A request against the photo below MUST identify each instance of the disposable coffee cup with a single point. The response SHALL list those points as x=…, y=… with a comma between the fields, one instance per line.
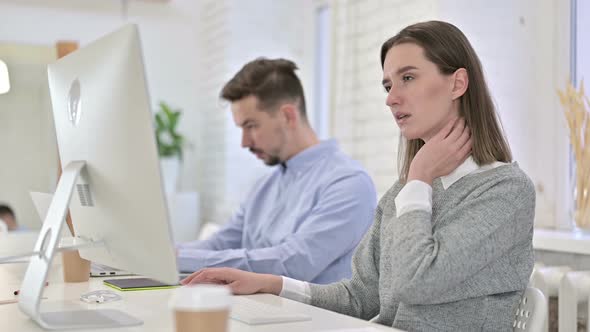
x=201, y=308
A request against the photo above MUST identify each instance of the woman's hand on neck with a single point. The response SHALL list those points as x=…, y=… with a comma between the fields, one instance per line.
x=442, y=153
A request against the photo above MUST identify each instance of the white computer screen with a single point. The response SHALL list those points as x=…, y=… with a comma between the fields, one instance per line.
x=102, y=115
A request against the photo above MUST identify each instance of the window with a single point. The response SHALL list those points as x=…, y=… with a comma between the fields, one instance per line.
x=579, y=72
x=323, y=44
x=580, y=65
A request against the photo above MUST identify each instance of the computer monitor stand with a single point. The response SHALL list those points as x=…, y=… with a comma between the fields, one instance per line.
x=39, y=265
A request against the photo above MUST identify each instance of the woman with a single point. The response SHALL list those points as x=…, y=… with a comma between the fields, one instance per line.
x=451, y=245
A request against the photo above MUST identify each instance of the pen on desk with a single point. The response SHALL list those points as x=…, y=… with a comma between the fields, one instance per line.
x=18, y=290
x=14, y=301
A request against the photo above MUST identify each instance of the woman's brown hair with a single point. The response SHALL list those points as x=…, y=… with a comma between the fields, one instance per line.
x=448, y=48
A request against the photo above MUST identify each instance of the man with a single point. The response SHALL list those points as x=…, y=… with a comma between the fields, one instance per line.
x=304, y=219
x=8, y=218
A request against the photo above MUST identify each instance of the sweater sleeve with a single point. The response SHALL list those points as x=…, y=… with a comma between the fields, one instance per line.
x=428, y=263
x=358, y=296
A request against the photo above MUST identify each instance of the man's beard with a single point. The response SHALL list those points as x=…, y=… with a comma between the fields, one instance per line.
x=271, y=161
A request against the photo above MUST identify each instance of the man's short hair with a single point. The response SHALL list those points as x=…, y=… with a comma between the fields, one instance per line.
x=6, y=210
x=271, y=81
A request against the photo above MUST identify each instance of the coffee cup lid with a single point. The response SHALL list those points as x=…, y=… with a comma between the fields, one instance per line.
x=201, y=297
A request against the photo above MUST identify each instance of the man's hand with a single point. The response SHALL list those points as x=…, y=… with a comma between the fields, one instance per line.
x=443, y=153
x=240, y=282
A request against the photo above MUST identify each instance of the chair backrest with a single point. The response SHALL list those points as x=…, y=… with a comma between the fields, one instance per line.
x=207, y=230
x=531, y=312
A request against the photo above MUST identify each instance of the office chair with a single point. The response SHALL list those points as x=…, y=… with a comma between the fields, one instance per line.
x=531, y=312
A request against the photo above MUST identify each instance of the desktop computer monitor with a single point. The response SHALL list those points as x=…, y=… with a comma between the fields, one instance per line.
x=111, y=180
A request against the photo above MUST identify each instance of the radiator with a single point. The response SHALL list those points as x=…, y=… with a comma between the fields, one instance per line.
x=548, y=279
x=574, y=289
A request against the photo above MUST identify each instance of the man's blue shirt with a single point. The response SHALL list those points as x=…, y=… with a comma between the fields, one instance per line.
x=303, y=220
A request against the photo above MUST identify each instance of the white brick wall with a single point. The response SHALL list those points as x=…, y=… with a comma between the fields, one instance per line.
x=193, y=48
x=232, y=33
x=214, y=39
x=168, y=38
x=360, y=120
x=521, y=45
x=518, y=43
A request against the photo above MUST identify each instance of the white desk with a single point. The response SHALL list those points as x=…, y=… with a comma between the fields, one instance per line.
x=150, y=306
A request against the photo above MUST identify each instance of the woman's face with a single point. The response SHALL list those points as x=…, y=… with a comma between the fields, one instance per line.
x=421, y=99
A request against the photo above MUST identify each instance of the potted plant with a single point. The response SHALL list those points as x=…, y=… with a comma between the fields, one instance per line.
x=577, y=113
x=170, y=144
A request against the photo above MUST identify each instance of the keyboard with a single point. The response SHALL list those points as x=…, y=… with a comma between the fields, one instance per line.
x=256, y=313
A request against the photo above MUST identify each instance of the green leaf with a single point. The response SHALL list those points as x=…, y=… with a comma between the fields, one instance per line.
x=166, y=121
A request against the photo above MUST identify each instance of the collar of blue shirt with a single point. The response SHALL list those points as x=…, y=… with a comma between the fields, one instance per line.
x=307, y=157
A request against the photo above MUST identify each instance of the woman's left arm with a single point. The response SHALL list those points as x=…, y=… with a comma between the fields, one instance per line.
x=456, y=260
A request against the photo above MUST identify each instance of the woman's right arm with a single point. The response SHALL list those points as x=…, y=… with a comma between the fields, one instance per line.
x=357, y=297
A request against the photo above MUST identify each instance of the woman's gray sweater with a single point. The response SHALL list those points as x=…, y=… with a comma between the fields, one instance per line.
x=462, y=267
